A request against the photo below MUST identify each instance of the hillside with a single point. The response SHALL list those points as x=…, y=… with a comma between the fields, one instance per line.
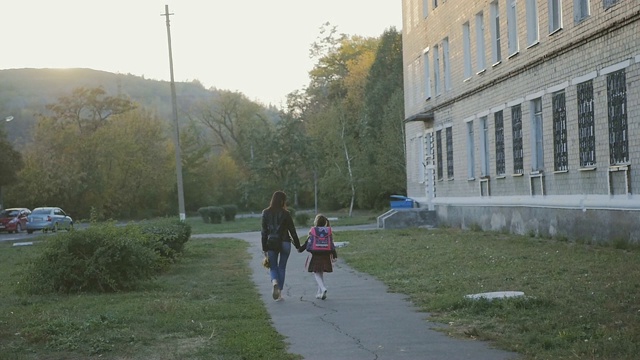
x=25, y=92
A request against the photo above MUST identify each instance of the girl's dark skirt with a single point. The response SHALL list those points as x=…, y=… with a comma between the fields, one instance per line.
x=320, y=263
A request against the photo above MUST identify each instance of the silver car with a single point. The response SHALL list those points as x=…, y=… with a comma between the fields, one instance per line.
x=48, y=218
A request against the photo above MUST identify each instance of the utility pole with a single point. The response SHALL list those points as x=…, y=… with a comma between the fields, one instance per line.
x=183, y=215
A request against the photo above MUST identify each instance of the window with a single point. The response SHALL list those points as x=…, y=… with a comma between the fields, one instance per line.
x=484, y=147
x=617, y=104
x=446, y=64
x=494, y=13
x=537, y=143
x=581, y=10
x=560, y=148
x=421, y=160
x=586, y=120
x=449, y=136
x=470, y=151
x=425, y=8
x=512, y=27
x=436, y=69
x=532, y=22
x=609, y=3
x=439, y=155
x=480, y=42
x=499, y=130
x=427, y=75
x=555, y=15
x=466, y=48
x=435, y=4
x=518, y=149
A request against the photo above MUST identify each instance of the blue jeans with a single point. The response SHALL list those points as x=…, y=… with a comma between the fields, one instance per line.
x=278, y=264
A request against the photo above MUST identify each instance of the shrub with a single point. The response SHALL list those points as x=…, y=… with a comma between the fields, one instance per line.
x=216, y=214
x=212, y=214
x=102, y=258
x=302, y=219
x=166, y=236
x=204, y=214
x=230, y=212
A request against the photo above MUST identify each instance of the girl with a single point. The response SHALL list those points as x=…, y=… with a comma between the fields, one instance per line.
x=321, y=262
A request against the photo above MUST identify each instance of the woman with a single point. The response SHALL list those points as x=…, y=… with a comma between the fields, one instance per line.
x=277, y=232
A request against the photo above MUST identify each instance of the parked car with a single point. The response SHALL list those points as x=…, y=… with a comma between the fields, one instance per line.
x=14, y=219
x=48, y=218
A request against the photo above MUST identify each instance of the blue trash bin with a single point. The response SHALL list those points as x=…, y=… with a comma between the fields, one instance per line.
x=401, y=202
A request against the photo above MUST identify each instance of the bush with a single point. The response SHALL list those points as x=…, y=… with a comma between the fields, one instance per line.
x=302, y=219
x=230, y=212
x=166, y=236
x=212, y=214
x=102, y=258
x=204, y=214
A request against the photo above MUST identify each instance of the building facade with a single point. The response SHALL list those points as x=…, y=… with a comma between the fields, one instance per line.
x=524, y=115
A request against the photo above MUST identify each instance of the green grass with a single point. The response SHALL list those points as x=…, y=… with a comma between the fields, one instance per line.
x=582, y=301
x=205, y=307
x=244, y=224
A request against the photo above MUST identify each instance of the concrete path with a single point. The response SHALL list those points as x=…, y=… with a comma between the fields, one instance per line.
x=359, y=320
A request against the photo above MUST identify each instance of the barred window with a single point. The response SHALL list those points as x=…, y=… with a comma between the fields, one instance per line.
x=518, y=153
x=449, y=136
x=617, y=104
x=560, y=151
x=471, y=150
x=439, y=168
x=609, y=3
x=499, y=125
x=586, y=121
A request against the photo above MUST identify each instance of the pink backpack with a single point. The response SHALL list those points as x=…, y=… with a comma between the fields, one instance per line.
x=320, y=240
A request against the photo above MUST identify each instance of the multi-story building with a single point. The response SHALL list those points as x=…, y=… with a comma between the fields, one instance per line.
x=524, y=115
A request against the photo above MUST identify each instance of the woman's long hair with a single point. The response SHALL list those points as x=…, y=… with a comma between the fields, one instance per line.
x=278, y=201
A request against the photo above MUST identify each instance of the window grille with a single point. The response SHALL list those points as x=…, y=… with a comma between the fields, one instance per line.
x=518, y=153
x=617, y=106
x=449, y=136
x=610, y=3
x=439, y=154
x=560, y=151
x=500, y=161
x=537, y=151
x=586, y=131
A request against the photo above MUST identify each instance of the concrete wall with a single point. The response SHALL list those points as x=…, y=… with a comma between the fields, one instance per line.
x=593, y=226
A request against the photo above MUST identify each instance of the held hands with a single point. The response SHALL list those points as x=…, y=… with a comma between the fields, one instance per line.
x=301, y=249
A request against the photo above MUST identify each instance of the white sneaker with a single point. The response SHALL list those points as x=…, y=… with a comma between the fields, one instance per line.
x=318, y=295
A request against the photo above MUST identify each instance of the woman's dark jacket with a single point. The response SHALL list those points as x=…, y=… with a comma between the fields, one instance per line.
x=288, y=229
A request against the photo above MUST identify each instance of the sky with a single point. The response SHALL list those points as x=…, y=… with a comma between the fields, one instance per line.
x=257, y=47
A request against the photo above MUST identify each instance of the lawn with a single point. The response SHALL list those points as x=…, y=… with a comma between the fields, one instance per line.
x=205, y=307
x=581, y=301
x=251, y=222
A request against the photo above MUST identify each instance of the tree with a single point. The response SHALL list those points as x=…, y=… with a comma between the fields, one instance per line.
x=382, y=127
x=88, y=108
x=118, y=164
x=10, y=163
x=335, y=94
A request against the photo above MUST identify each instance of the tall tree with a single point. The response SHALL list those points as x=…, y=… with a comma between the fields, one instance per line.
x=382, y=127
x=10, y=163
x=121, y=167
x=335, y=105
